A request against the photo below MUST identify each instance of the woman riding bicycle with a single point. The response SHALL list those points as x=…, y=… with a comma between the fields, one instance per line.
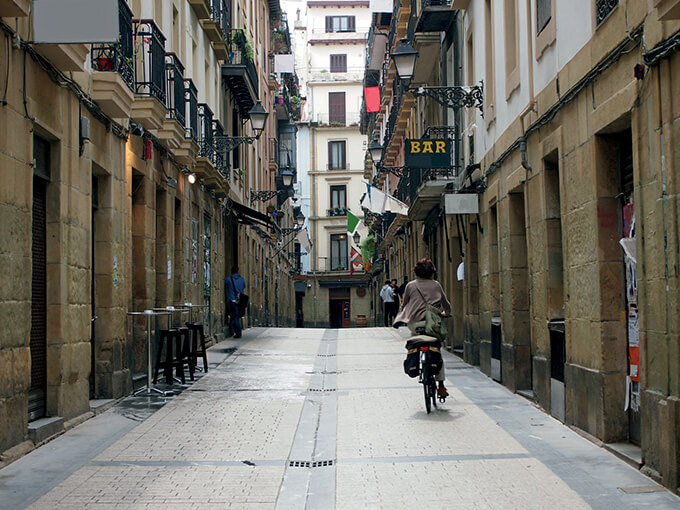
x=418, y=294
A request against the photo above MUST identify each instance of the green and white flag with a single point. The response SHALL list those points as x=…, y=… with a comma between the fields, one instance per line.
x=352, y=222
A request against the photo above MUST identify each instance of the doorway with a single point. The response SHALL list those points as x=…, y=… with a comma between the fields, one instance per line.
x=339, y=308
x=37, y=394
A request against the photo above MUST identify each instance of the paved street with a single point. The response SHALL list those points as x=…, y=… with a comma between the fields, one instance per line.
x=311, y=418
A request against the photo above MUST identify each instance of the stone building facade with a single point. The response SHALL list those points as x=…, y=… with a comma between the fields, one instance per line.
x=570, y=288
x=120, y=195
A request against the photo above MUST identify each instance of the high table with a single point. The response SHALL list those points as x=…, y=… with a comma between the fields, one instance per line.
x=149, y=389
x=191, y=309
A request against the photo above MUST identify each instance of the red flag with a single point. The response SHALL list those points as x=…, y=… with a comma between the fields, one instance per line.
x=354, y=261
x=372, y=95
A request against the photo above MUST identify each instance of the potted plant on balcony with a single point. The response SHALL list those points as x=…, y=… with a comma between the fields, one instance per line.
x=270, y=209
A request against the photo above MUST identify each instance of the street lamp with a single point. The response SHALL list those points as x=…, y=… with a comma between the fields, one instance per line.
x=404, y=57
x=376, y=151
x=287, y=176
x=357, y=238
x=299, y=217
x=191, y=178
x=258, y=117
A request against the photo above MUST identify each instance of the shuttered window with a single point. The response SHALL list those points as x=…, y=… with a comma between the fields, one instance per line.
x=340, y=24
x=339, y=63
x=336, y=107
x=336, y=155
x=338, y=196
x=339, y=252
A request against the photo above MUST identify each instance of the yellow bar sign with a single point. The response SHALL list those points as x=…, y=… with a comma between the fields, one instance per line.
x=428, y=153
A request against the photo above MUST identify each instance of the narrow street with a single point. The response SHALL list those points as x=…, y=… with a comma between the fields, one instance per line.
x=312, y=418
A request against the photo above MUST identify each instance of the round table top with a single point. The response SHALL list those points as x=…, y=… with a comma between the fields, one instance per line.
x=172, y=309
x=149, y=312
x=189, y=305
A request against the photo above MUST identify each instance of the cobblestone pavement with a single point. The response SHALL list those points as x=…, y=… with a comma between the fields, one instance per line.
x=320, y=419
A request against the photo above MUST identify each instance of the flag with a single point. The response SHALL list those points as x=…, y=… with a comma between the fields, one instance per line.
x=355, y=261
x=372, y=96
x=303, y=239
x=378, y=202
x=352, y=222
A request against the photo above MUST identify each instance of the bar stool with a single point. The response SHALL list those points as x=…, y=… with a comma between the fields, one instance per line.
x=198, y=334
x=175, y=359
x=185, y=340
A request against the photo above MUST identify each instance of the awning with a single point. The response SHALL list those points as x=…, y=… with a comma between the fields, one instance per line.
x=249, y=216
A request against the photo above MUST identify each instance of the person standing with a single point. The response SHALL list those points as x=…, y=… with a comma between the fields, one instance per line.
x=397, y=295
x=236, y=286
x=419, y=293
x=387, y=295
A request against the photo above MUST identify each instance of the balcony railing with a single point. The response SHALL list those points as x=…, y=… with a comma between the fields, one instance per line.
x=205, y=129
x=337, y=211
x=326, y=120
x=413, y=178
x=176, y=95
x=149, y=51
x=604, y=8
x=222, y=15
x=191, y=102
x=221, y=158
x=117, y=57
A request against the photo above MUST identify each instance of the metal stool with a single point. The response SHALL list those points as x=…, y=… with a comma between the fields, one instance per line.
x=197, y=335
x=174, y=357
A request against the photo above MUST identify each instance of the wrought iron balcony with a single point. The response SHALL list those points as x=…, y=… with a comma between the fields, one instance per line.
x=434, y=16
x=176, y=92
x=205, y=129
x=149, y=44
x=221, y=151
x=239, y=72
x=191, y=102
x=117, y=57
x=604, y=8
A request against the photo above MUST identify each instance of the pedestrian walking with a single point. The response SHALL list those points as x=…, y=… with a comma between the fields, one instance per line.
x=387, y=295
x=419, y=293
x=236, y=286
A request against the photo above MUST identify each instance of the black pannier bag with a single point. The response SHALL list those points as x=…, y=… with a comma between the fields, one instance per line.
x=411, y=367
x=434, y=356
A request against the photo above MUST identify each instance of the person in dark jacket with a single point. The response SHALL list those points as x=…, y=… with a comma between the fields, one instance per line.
x=235, y=285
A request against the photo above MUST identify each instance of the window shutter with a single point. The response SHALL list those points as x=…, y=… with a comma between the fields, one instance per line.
x=352, y=26
x=336, y=107
x=329, y=24
x=343, y=153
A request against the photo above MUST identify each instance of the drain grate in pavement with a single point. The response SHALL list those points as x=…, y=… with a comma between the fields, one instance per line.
x=310, y=464
x=325, y=355
x=322, y=389
x=641, y=489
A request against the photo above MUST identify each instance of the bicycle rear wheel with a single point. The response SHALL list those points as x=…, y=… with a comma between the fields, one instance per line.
x=427, y=390
x=433, y=391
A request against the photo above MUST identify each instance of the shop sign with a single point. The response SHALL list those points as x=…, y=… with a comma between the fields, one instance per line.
x=428, y=153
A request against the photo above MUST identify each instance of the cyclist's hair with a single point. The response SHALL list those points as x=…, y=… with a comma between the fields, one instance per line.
x=424, y=268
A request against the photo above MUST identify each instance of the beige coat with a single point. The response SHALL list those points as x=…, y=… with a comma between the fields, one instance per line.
x=413, y=306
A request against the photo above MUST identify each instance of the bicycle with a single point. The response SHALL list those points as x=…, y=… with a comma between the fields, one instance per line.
x=429, y=364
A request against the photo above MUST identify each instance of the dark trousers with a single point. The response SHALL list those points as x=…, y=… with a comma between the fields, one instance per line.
x=235, y=318
x=390, y=313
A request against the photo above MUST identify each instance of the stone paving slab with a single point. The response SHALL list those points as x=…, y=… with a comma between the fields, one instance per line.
x=250, y=433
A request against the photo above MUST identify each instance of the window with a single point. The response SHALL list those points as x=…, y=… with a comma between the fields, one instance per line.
x=338, y=63
x=336, y=108
x=543, y=14
x=336, y=155
x=340, y=24
x=338, y=197
x=511, y=48
x=339, y=252
x=490, y=79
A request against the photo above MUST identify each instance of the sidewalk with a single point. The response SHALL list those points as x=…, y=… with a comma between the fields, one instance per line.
x=312, y=418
